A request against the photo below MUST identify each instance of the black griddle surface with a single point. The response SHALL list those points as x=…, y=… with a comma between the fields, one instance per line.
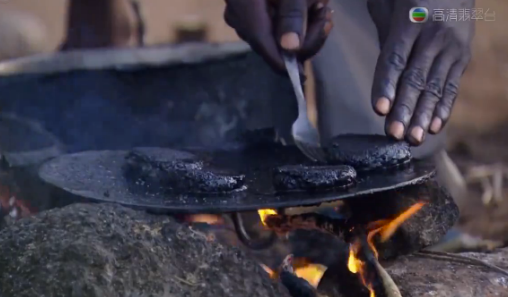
x=97, y=175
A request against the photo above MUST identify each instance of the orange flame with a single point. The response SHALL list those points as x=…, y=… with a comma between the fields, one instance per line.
x=355, y=265
x=386, y=229
x=270, y=271
x=312, y=273
x=263, y=213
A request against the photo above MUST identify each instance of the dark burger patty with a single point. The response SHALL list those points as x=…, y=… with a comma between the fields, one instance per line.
x=177, y=171
x=311, y=178
x=367, y=152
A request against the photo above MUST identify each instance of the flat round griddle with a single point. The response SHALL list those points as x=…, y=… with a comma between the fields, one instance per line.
x=97, y=175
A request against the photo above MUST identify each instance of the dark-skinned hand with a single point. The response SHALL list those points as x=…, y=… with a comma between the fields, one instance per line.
x=417, y=75
x=269, y=26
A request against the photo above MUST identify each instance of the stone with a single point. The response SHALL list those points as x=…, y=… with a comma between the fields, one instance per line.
x=109, y=251
x=421, y=230
x=418, y=276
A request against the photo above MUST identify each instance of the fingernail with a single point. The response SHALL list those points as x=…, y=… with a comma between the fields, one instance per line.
x=328, y=27
x=436, y=124
x=417, y=134
x=383, y=105
x=397, y=130
x=319, y=6
x=290, y=41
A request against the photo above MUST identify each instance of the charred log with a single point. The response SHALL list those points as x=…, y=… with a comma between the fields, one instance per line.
x=312, y=178
x=283, y=224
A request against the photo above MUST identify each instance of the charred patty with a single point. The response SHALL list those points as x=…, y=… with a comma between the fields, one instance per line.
x=177, y=171
x=367, y=152
x=312, y=178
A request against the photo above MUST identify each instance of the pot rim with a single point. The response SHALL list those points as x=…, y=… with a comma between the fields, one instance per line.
x=122, y=59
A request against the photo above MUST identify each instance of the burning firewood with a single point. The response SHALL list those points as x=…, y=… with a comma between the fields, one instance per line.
x=12, y=208
x=342, y=228
x=362, y=260
x=363, y=254
x=297, y=286
x=298, y=275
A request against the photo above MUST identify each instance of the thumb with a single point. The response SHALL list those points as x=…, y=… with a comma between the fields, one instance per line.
x=291, y=23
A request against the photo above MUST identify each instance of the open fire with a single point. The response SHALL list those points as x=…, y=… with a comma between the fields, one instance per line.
x=360, y=238
x=11, y=206
x=302, y=268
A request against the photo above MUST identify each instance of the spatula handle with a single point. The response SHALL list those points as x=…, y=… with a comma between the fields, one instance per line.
x=294, y=75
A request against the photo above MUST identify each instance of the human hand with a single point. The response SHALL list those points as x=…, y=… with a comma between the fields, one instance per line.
x=417, y=75
x=269, y=26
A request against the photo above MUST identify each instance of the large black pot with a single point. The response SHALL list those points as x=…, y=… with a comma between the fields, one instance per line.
x=185, y=95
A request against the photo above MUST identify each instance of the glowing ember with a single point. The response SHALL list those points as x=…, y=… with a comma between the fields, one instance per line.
x=312, y=273
x=386, y=229
x=12, y=206
x=263, y=213
x=301, y=267
x=268, y=270
x=210, y=219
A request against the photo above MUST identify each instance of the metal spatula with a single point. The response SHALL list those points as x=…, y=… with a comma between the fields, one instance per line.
x=306, y=137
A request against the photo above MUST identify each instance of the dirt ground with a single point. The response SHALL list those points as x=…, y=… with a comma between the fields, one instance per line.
x=478, y=132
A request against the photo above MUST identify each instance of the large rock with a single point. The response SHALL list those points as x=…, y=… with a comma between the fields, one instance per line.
x=421, y=230
x=109, y=251
x=418, y=276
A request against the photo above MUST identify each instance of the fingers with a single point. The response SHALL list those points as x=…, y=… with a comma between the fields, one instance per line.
x=291, y=23
x=391, y=62
x=410, y=85
x=269, y=26
x=429, y=98
x=320, y=25
x=450, y=92
x=256, y=28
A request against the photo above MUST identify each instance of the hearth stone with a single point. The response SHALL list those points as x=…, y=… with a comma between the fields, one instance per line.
x=109, y=251
x=423, y=229
x=418, y=276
